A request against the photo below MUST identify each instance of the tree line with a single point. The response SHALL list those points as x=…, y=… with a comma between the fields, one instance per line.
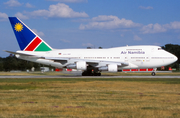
x=12, y=63
x=174, y=49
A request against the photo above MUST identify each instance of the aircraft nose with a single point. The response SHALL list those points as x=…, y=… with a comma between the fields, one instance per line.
x=175, y=58
x=171, y=58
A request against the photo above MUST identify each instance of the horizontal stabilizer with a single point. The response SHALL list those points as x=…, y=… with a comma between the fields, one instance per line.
x=17, y=53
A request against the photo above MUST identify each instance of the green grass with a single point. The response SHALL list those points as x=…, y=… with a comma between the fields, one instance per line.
x=37, y=81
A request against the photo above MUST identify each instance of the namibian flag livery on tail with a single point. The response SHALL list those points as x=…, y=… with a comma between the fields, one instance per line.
x=27, y=39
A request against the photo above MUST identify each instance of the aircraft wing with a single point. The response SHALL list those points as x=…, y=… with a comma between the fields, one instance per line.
x=68, y=61
x=94, y=63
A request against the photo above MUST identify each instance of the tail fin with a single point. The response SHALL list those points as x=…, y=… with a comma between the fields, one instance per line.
x=27, y=39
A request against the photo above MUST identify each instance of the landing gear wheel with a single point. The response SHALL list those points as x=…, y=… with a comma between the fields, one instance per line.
x=94, y=74
x=84, y=73
x=153, y=73
x=97, y=74
x=89, y=73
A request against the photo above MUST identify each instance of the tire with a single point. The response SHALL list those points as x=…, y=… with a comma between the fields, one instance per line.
x=84, y=73
x=153, y=73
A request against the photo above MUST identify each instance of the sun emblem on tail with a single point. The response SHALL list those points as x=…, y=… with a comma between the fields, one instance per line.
x=18, y=27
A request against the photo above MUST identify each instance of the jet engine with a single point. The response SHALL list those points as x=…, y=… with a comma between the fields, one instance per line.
x=110, y=68
x=80, y=65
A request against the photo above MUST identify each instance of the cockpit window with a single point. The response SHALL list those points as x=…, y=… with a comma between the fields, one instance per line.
x=160, y=49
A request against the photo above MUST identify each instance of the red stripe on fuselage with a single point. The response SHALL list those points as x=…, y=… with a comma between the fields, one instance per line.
x=33, y=44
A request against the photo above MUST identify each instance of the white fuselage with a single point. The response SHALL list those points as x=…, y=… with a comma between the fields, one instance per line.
x=135, y=56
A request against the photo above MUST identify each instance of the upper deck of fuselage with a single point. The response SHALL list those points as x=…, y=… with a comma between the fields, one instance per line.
x=114, y=48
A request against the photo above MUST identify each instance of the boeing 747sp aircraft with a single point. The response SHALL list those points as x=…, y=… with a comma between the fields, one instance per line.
x=90, y=61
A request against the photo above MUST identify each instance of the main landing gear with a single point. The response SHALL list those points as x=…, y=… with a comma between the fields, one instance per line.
x=91, y=73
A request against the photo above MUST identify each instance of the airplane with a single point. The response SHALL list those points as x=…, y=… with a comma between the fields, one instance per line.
x=90, y=61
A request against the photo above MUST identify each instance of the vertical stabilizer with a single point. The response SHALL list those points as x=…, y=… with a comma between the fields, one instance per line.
x=27, y=39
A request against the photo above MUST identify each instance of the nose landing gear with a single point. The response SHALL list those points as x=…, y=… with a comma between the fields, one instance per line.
x=154, y=72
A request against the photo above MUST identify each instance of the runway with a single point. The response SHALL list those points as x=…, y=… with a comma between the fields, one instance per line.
x=74, y=76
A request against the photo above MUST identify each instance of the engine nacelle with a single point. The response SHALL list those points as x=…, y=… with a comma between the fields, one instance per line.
x=110, y=68
x=71, y=66
x=80, y=65
x=103, y=68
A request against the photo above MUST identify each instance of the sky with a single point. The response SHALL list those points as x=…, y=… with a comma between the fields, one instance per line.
x=93, y=23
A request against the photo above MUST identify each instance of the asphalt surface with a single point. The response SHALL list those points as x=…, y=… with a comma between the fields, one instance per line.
x=77, y=76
